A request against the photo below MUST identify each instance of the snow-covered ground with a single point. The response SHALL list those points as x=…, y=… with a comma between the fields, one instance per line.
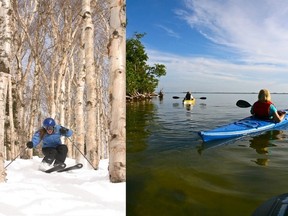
x=83, y=192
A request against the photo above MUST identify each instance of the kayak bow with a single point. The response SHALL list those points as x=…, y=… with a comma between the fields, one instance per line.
x=189, y=102
x=275, y=206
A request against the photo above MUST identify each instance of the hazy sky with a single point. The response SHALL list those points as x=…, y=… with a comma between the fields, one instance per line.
x=215, y=45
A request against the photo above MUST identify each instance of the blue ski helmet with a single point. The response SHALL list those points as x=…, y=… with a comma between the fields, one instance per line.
x=49, y=123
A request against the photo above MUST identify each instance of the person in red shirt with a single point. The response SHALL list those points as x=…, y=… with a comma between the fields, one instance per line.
x=265, y=109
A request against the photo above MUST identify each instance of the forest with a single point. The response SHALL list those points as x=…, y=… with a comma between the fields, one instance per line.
x=64, y=59
x=141, y=78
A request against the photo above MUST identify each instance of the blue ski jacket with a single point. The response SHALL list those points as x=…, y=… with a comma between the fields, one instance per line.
x=50, y=140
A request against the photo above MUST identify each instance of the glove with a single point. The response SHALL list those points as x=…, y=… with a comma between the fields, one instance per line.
x=63, y=130
x=29, y=144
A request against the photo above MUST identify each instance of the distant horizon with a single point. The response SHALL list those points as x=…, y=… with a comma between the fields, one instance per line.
x=206, y=92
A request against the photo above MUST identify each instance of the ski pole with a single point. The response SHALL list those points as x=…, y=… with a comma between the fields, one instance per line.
x=81, y=153
x=16, y=157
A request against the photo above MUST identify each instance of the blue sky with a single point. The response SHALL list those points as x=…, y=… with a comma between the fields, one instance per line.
x=215, y=45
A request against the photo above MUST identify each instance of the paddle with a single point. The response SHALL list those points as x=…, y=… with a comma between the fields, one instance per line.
x=201, y=98
x=243, y=104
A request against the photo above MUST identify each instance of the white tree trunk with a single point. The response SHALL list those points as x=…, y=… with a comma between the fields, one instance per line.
x=5, y=52
x=5, y=35
x=80, y=117
x=11, y=133
x=2, y=171
x=91, y=132
x=117, y=93
x=4, y=77
x=70, y=111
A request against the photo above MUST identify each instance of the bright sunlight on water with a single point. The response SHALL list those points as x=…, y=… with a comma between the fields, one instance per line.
x=170, y=171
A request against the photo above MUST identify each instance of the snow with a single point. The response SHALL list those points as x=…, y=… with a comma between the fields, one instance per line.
x=84, y=192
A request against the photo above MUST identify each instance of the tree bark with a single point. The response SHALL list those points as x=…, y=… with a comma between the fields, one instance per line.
x=3, y=96
x=11, y=136
x=5, y=78
x=117, y=93
x=91, y=132
x=80, y=117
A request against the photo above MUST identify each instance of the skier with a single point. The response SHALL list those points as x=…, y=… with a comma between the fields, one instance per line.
x=52, y=148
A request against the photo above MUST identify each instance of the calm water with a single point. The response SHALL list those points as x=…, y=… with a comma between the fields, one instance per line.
x=170, y=171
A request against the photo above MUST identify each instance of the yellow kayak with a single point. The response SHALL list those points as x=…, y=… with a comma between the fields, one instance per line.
x=189, y=102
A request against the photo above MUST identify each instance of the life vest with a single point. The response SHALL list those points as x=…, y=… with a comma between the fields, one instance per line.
x=261, y=109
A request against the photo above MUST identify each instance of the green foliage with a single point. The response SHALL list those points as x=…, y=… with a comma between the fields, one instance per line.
x=140, y=77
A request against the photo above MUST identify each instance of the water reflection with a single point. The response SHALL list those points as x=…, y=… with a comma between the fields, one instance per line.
x=188, y=106
x=214, y=144
x=175, y=105
x=202, y=105
x=138, y=115
x=262, y=143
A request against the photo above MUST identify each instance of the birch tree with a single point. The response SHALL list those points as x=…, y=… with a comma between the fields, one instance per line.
x=5, y=52
x=117, y=92
x=4, y=77
x=80, y=129
x=91, y=136
x=10, y=130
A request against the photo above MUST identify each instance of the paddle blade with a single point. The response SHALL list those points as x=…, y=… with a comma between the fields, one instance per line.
x=203, y=98
x=175, y=97
x=243, y=104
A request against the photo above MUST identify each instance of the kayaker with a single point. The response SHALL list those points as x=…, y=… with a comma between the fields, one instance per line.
x=188, y=96
x=265, y=109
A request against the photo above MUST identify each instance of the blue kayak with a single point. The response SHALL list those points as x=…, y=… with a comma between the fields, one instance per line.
x=275, y=206
x=240, y=128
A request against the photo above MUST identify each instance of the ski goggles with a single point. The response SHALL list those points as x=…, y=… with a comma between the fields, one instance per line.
x=49, y=128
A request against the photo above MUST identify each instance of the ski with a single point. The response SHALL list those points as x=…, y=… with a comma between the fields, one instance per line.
x=76, y=166
x=56, y=168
